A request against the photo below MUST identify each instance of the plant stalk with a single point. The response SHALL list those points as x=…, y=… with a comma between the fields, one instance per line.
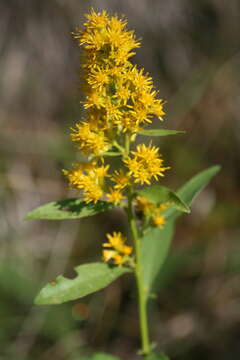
x=142, y=297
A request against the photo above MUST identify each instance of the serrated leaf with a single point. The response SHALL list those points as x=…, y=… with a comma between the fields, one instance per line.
x=160, y=132
x=158, y=194
x=156, y=243
x=68, y=209
x=89, y=279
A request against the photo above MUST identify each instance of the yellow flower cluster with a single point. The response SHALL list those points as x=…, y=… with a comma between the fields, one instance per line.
x=119, y=100
x=151, y=211
x=89, y=139
x=88, y=177
x=145, y=164
x=119, y=252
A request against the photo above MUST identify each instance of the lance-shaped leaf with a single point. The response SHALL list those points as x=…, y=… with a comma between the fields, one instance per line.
x=89, y=279
x=193, y=187
x=160, y=132
x=68, y=209
x=156, y=243
x=158, y=194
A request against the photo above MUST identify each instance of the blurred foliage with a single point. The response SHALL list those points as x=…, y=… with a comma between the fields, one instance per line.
x=192, y=51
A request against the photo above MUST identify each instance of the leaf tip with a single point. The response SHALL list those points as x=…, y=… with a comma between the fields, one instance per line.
x=187, y=210
x=217, y=168
x=28, y=216
x=37, y=300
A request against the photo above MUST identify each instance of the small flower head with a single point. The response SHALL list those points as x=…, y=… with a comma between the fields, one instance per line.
x=152, y=211
x=88, y=177
x=118, y=252
x=145, y=205
x=145, y=164
x=90, y=139
x=159, y=221
x=107, y=38
x=92, y=192
x=121, y=179
x=115, y=196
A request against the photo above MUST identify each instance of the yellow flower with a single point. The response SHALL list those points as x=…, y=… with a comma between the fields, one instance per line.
x=108, y=255
x=89, y=178
x=128, y=122
x=152, y=211
x=115, y=196
x=141, y=114
x=119, y=99
x=145, y=164
x=123, y=93
x=77, y=175
x=96, y=20
x=113, y=111
x=116, y=240
x=98, y=78
x=119, y=252
x=92, y=191
x=108, y=35
x=162, y=207
x=101, y=172
x=94, y=98
x=140, y=81
x=144, y=205
x=90, y=139
x=118, y=259
x=114, y=256
x=159, y=221
x=121, y=179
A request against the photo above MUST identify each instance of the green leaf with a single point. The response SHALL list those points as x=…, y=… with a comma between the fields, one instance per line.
x=67, y=209
x=100, y=356
x=156, y=243
x=193, y=187
x=157, y=356
x=89, y=279
x=158, y=194
x=155, y=246
x=160, y=132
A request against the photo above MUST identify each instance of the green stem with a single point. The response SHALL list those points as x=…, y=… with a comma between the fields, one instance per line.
x=119, y=147
x=127, y=144
x=142, y=297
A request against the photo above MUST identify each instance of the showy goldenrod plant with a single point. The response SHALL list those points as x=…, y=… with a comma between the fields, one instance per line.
x=120, y=102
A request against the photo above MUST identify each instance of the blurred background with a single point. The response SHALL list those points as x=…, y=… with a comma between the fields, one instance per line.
x=191, y=48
